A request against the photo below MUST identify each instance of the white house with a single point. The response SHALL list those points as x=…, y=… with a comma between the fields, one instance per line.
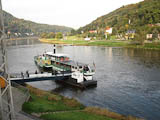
x=149, y=36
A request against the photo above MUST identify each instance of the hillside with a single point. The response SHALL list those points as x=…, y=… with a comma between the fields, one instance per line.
x=22, y=26
x=139, y=15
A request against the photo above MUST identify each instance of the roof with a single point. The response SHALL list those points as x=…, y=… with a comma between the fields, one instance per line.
x=70, y=62
x=93, y=31
x=131, y=31
x=56, y=55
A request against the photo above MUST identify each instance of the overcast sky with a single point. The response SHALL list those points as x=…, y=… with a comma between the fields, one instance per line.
x=71, y=13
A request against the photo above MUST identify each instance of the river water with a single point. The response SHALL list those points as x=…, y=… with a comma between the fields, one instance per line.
x=128, y=79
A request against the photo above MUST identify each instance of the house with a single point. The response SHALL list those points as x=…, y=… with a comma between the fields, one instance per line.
x=87, y=38
x=150, y=25
x=159, y=36
x=93, y=31
x=108, y=30
x=131, y=31
x=158, y=24
x=130, y=34
x=149, y=36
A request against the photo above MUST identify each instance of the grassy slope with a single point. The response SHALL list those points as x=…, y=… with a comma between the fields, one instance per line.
x=42, y=101
x=42, y=104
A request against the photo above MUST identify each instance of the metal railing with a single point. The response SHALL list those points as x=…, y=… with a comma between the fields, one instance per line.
x=6, y=98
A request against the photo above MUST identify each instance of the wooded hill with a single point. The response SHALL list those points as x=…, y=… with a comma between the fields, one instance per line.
x=140, y=16
x=16, y=25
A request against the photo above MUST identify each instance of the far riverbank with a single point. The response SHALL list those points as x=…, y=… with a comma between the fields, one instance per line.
x=108, y=43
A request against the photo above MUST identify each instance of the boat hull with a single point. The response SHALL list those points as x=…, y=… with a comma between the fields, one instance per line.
x=83, y=85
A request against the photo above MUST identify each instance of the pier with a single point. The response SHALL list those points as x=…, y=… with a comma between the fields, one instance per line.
x=18, y=78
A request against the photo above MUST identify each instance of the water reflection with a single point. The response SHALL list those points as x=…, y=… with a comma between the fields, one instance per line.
x=25, y=41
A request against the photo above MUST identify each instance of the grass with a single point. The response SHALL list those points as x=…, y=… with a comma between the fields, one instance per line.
x=42, y=101
x=110, y=43
x=74, y=116
x=107, y=113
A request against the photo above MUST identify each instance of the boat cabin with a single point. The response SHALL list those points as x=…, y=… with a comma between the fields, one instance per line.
x=57, y=57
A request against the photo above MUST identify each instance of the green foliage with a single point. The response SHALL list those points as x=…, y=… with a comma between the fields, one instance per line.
x=73, y=32
x=52, y=35
x=59, y=35
x=108, y=43
x=140, y=15
x=74, y=116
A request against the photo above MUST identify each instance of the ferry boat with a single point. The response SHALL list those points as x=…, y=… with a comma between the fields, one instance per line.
x=81, y=74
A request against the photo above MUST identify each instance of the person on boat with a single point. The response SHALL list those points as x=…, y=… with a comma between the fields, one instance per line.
x=36, y=72
x=27, y=73
x=22, y=75
x=86, y=68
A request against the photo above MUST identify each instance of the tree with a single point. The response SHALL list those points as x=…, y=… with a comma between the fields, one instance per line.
x=140, y=36
x=51, y=35
x=43, y=35
x=73, y=32
x=59, y=35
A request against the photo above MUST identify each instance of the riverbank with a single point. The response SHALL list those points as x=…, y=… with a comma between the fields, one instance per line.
x=108, y=43
x=87, y=43
x=48, y=106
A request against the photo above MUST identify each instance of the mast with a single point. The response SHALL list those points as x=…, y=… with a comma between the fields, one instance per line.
x=54, y=49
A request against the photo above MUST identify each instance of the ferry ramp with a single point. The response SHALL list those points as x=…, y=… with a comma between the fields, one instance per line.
x=20, y=78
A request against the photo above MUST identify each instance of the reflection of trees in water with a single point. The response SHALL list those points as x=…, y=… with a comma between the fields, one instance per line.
x=22, y=42
x=149, y=58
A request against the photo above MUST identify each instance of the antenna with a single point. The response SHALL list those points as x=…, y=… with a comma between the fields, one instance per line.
x=6, y=99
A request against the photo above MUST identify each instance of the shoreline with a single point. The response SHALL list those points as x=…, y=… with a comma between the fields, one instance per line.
x=71, y=106
x=122, y=44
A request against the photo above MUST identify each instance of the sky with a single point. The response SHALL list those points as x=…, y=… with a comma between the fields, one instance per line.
x=70, y=13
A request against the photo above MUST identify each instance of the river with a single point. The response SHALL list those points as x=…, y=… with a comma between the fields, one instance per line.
x=128, y=79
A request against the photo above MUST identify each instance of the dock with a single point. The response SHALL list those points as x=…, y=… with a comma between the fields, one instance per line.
x=63, y=78
x=18, y=78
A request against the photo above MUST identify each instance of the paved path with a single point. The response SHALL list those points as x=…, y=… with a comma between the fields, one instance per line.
x=19, y=98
